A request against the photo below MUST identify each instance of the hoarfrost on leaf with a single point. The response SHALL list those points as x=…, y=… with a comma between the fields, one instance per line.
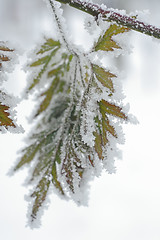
x=78, y=119
x=8, y=58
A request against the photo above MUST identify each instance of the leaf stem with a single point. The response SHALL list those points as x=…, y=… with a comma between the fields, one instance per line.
x=65, y=40
x=113, y=15
x=59, y=25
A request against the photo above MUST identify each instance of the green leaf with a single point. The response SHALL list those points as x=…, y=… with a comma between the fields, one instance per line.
x=103, y=125
x=68, y=172
x=42, y=61
x=98, y=144
x=106, y=127
x=55, y=72
x=51, y=69
x=48, y=96
x=59, y=108
x=29, y=155
x=105, y=42
x=112, y=109
x=40, y=193
x=61, y=148
x=104, y=77
x=55, y=182
x=49, y=45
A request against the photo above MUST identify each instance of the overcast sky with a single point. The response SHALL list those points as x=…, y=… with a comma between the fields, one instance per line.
x=122, y=206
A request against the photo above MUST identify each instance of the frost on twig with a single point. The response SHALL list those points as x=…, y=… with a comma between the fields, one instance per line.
x=79, y=115
x=114, y=15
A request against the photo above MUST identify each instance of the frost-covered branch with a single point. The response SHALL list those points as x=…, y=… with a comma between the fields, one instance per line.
x=59, y=25
x=63, y=36
x=79, y=114
x=114, y=15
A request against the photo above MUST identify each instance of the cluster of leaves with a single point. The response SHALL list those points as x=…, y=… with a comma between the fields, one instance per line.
x=63, y=156
x=6, y=120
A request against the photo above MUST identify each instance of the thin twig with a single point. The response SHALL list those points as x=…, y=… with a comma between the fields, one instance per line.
x=70, y=49
x=112, y=15
x=59, y=25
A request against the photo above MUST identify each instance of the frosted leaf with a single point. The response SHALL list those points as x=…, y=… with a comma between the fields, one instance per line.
x=8, y=58
x=78, y=115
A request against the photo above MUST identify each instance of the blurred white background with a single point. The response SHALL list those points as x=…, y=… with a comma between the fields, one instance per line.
x=122, y=206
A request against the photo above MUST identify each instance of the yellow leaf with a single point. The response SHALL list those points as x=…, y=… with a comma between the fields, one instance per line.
x=106, y=43
x=5, y=49
x=4, y=58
